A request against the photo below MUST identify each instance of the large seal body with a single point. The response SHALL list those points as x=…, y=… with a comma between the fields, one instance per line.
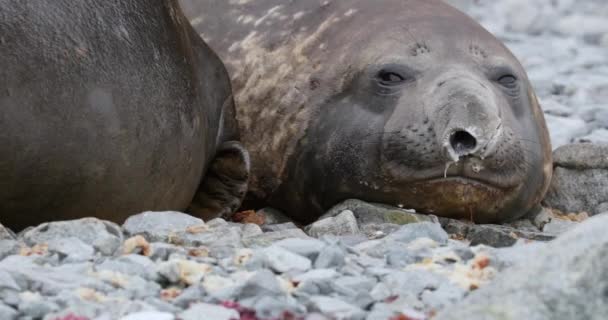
x=107, y=108
x=406, y=102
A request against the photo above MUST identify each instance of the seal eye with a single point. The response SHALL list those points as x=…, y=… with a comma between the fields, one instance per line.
x=390, y=78
x=508, y=80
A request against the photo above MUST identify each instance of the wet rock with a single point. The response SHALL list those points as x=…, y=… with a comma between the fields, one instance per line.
x=106, y=237
x=580, y=178
x=344, y=223
x=578, y=293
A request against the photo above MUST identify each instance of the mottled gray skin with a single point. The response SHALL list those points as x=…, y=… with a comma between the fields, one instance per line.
x=110, y=108
x=405, y=102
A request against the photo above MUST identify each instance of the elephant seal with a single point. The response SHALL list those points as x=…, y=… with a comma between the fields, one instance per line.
x=110, y=108
x=404, y=102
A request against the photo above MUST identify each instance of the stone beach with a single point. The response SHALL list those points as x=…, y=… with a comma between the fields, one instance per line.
x=361, y=260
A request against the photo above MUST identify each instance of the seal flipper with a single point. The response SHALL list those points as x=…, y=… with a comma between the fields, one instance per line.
x=224, y=186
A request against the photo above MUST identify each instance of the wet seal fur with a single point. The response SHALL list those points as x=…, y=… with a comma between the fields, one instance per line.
x=405, y=102
x=110, y=108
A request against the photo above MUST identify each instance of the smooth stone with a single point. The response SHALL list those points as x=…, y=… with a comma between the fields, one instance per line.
x=209, y=312
x=558, y=226
x=491, y=235
x=563, y=279
x=375, y=213
x=190, y=295
x=106, y=237
x=316, y=274
x=331, y=256
x=7, y=313
x=344, y=223
x=251, y=230
x=336, y=308
x=71, y=249
x=8, y=247
x=160, y=226
x=268, y=238
x=273, y=216
x=279, y=227
x=580, y=178
x=413, y=231
x=32, y=305
x=282, y=260
x=149, y=315
x=263, y=283
x=307, y=247
x=6, y=234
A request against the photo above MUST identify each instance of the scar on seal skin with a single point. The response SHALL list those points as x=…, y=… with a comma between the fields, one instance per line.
x=396, y=101
x=111, y=108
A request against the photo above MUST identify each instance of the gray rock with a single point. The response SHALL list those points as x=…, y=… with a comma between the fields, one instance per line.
x=160, y=226
x=413, y=231
x=251, y=230
x=316, y=274
x=190, y=295
x=208, y=312
x=8, y=247
x=149, y=315
x=263, y=283
x=563, y=280
x=378, y=231
x=273, y=216
x=376, y=213
x=7, y=281
x=7, y=312
x=279, y=227
x=106, y=237
x=491, y=235
x=335, y=308
x=445, y=295
x=344, y=223
x=71, y=249
x=269, y=238
x=580, y=178
x=331, y=256
x=412, y=282
x=34, y=306
x=6, y=234
x=282, y=260
x=162, y=251
x=307, y=247
x=559, y=226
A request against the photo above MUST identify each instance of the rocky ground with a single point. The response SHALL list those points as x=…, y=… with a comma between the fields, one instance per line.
x=361, y=260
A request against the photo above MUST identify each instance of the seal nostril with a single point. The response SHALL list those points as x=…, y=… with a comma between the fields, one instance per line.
x=463, y=142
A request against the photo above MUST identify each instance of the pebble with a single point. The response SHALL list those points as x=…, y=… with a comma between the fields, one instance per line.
x=148, y=315
x=282, y=260
x=344, y=223
x=209, y=312
x=106, y=237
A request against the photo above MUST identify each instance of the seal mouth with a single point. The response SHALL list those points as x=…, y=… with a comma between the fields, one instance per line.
x=464, y=180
